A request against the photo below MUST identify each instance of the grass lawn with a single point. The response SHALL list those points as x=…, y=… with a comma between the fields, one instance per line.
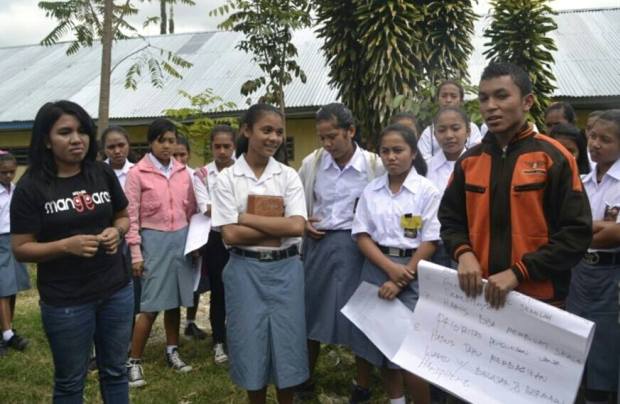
x=28, y=377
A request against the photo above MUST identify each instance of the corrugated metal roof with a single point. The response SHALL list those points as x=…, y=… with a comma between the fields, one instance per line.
x=587, y=65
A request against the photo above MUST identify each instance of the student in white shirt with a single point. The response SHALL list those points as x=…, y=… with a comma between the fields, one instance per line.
x=396, y=226
x=408, y=119
x=264, y=278
x=182, y=153
x=115, y=145
x=215, y=256
x=450, y=93
x=333, y=177
x=13, y=275
x=593, y=292
x=452, y=130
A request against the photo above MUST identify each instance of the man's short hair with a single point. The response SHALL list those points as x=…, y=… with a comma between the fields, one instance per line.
x=518, y=75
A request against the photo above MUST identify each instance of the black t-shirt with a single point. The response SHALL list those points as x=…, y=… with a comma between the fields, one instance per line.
x=82, y=204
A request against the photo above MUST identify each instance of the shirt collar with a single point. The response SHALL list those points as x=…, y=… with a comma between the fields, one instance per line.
x=356, y=161
x=126, y=166
x=242, y=169
x=613, y=172
x=411, y=182
x=3, y=189
x=159, y=165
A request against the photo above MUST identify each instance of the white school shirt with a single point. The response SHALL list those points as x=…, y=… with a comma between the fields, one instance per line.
x=204, y=190
x=428, y=145
x=5, y=208
x=235, y=183
x=337, y=191
x=122, y=173
x=604, y=196
x=379, y=211
x=439, y=170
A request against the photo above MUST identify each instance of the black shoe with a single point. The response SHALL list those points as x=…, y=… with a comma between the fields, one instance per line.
x=305, y=391
x=17, y=342
x=359, y=395
x=192, y=330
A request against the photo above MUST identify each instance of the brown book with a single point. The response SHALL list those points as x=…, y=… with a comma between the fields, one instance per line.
x=266, y=205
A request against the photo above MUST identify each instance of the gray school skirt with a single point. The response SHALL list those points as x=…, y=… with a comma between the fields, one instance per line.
x=13, y=274
x=167, y=281
x=593, y=295
x=332, y=269
x=265, y=325
x=362, y=346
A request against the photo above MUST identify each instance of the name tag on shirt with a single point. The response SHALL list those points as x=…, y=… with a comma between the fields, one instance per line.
x=410, y=225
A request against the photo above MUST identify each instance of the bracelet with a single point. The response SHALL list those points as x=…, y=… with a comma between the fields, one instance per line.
x=121, y=232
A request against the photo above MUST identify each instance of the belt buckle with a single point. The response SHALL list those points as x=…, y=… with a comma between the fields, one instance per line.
x=393, y=252
x=591, y=258
x=265, y=255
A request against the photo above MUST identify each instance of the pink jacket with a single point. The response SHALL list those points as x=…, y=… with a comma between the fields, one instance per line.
x=156, y=202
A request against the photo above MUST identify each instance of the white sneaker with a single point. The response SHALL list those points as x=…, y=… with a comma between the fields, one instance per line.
x=219, y=354
x=176, y=363
x=135, y=374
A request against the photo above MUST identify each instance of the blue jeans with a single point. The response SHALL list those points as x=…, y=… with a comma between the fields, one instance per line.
x=71, y=331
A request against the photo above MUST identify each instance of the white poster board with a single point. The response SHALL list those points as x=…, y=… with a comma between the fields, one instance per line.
x=526, y=352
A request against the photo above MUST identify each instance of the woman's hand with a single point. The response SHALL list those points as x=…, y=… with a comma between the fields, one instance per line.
x=389, y=290
x=137, y=268
x=312, y=231
x=400, y=274
x=82, y=245
x=109, y=238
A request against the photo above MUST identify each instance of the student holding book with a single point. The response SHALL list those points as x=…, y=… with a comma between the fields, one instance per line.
x=260, y=206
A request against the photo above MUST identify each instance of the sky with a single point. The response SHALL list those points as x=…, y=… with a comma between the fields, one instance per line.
x=23, y=23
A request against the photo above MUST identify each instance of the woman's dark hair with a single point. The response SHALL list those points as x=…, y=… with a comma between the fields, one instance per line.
x=182, y=140
x=217, y=129
x=121, y=131
x=40, y=156
x=401, y=116
x=454, y=83
x=158, y=128
x=341, y=115
x=249, y=119
x=410, y=138
x=613, y=116
x=566, y=108
x=516, y=73
x=573, y=133
x=459, y=111
x=6, y=156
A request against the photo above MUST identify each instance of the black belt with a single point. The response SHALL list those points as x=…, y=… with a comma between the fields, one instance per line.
x=396, y=252
x=602, y=258
x=267, y=255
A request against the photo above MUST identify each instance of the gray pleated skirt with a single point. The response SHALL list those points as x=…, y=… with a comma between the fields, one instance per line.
x=13, y=274
x=265, y=323
x=332, y=267
x=362, y=346
x=593, y=295
x=167, y=281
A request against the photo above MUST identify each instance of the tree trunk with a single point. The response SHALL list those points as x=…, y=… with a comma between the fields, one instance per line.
x=163, y=24
x=171, y=21
x=106, y=65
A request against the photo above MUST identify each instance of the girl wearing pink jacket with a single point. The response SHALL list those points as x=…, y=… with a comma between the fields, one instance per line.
x=161, y=203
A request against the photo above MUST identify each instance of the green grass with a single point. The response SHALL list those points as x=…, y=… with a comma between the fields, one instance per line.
x=28, y=377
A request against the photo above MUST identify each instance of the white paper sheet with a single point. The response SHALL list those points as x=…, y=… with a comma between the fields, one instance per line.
x=526, y=352
x=198, y=232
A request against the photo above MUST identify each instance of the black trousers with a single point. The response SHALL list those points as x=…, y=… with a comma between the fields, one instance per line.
x=215, y=259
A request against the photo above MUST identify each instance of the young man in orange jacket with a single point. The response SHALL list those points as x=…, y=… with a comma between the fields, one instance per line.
x=514, y=211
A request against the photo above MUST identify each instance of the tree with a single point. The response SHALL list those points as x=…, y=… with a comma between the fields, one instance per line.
x=448, y=26
x=268, y=26
x=166, y=18
x=194, y=122
x=373, y=50
x=90, y=20
x=519, y=34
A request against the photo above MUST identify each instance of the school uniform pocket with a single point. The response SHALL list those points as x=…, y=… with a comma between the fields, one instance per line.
x=150, y=208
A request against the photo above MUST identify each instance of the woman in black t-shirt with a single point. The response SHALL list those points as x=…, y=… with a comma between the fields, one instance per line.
x=68, y=214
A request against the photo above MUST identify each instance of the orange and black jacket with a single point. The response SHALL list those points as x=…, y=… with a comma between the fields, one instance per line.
x=521, y=208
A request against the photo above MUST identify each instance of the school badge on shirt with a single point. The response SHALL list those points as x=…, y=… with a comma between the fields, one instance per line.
x=410, y=225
